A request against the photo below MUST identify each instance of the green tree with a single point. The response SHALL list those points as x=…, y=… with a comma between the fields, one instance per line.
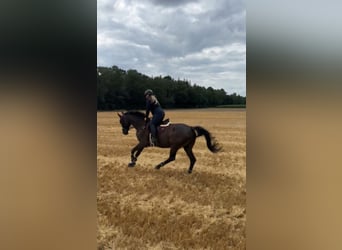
x=120, y=89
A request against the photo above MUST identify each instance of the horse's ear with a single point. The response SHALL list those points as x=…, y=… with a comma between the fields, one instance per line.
x=120, y=114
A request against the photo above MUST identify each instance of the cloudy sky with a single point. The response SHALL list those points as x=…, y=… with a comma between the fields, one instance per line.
x=203, y=41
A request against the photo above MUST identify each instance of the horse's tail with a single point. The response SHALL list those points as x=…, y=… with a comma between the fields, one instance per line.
x=212, y=144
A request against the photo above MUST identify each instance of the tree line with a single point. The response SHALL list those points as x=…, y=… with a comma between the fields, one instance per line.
x=120, y=89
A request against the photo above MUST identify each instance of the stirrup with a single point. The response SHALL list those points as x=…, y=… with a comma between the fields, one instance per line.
x=152, y=142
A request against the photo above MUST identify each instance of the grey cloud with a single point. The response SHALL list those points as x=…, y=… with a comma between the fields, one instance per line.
x=152, y=39
x=171, y=2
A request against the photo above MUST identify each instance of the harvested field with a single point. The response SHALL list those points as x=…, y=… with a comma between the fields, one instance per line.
x=145, y=208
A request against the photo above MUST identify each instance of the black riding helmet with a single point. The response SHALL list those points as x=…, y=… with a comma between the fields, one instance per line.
x=148, y=92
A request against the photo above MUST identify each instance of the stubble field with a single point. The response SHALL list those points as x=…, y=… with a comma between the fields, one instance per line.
x=144, y=208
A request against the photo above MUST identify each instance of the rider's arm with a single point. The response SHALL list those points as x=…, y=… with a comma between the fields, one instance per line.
x=148, y=108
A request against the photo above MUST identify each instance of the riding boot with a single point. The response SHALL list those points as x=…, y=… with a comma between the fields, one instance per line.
x=153, y=134
x=154, y=140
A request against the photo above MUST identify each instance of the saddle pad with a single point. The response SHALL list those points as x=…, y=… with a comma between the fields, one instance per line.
x=165, y=125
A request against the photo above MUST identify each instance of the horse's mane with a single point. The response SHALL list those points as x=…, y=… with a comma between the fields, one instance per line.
x=135, y=113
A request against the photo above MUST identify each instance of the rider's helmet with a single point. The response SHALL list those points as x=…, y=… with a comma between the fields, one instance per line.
x=148, y=92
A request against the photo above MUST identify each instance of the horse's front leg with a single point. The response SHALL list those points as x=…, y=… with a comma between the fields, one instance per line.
x=135, y=152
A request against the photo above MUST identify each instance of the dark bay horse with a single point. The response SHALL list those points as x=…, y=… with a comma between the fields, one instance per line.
x=173, y=136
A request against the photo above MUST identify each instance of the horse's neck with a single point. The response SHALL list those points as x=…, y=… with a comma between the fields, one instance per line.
x=137, y=124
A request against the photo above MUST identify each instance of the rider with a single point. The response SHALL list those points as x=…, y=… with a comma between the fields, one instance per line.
x=153, y=106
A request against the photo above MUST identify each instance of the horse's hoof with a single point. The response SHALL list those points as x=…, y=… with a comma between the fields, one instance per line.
x=189, y=171
x=157, y=167
x=131, y=164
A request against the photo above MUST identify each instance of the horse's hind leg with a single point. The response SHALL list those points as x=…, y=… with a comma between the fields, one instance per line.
x=188, y=150
x=172, y=157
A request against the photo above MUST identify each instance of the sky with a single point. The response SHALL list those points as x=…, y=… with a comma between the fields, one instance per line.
x=202, y=41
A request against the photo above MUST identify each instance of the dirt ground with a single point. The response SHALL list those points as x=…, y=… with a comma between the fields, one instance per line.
x=145, y=208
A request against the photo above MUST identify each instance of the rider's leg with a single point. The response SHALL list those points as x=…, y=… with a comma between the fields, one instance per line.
x=153, y=131
x=156, y=121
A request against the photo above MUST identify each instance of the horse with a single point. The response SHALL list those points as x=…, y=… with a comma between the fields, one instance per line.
x=173, y=136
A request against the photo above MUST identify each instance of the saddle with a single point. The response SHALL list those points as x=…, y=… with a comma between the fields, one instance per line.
x=165, y=123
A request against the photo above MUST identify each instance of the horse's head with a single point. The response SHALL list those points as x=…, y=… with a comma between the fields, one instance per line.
x=125, y=124
x=135, y=119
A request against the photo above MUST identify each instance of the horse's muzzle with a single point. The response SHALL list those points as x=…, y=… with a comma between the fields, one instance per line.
x=125, y=131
